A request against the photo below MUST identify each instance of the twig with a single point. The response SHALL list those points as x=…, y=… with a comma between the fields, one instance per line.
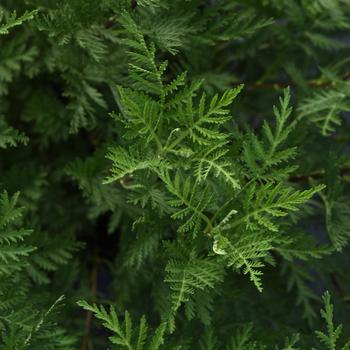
x=88, y=319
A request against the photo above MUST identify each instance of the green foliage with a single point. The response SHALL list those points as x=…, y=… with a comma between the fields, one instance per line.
x=22, y=324
x=14, y=21
x=12, y=247
x=325, y=109
x=192, y=201
x=188, y=274
x=299, y=279
x=123, y=332
x=155, y=179
x=337, y=221
x=270, y=201
x=262, y=156
x=143, y=70
x=330, y=339
x=246, y=253
x=14, y=56
x=216, y=163
x=10, y=136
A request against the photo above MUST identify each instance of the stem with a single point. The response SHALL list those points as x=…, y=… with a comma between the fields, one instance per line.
x=88, y=319
x=177, y=141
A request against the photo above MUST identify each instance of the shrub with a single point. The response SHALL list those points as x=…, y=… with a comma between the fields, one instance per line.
x=174, y=174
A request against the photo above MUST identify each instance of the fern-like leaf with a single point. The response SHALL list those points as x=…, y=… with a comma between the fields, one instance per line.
x=324, y=109
x=10, y=136
x=263, y=157
x=204, y=128
x=127, y=163
x=216, y=162
x=13, y=20
x=143, y=70
x=190, y=201
x=331, y=337
x=337, y=221
x=246, y=253
x=189, y=273
x=124, y=334
x=299, y=280
x=12, y=246
x=267, y=202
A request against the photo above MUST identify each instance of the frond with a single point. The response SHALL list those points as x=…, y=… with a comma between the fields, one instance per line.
x=121, y=330
x=215, y=114
x=209, y=341
x=147, y=194
x=171, y=33
x=89, y=174
x=14, y=55
x=330, y=338
x=10, y=136
x=128, y=162
x=267, y=202
x=190, y=201
x=337, y=221
x=175, y=84
x=28, y=328
x=264, y=157
x=143, y=70
x=13, y=20
x=12, y=246
x=299, y=279
x=90, y=40
x=239, y=24
x=84, y=100
x=10, y=298
x=291, y=342
x=302, y=247
x=215, y=162
x=325, y=108
x=201, y=305
x=124, y=334
x=188, y=274
x=201, y=125
x=242, y=340
x=142, y=248
x=52, y=251
x=142, y=116
x=246, y=253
